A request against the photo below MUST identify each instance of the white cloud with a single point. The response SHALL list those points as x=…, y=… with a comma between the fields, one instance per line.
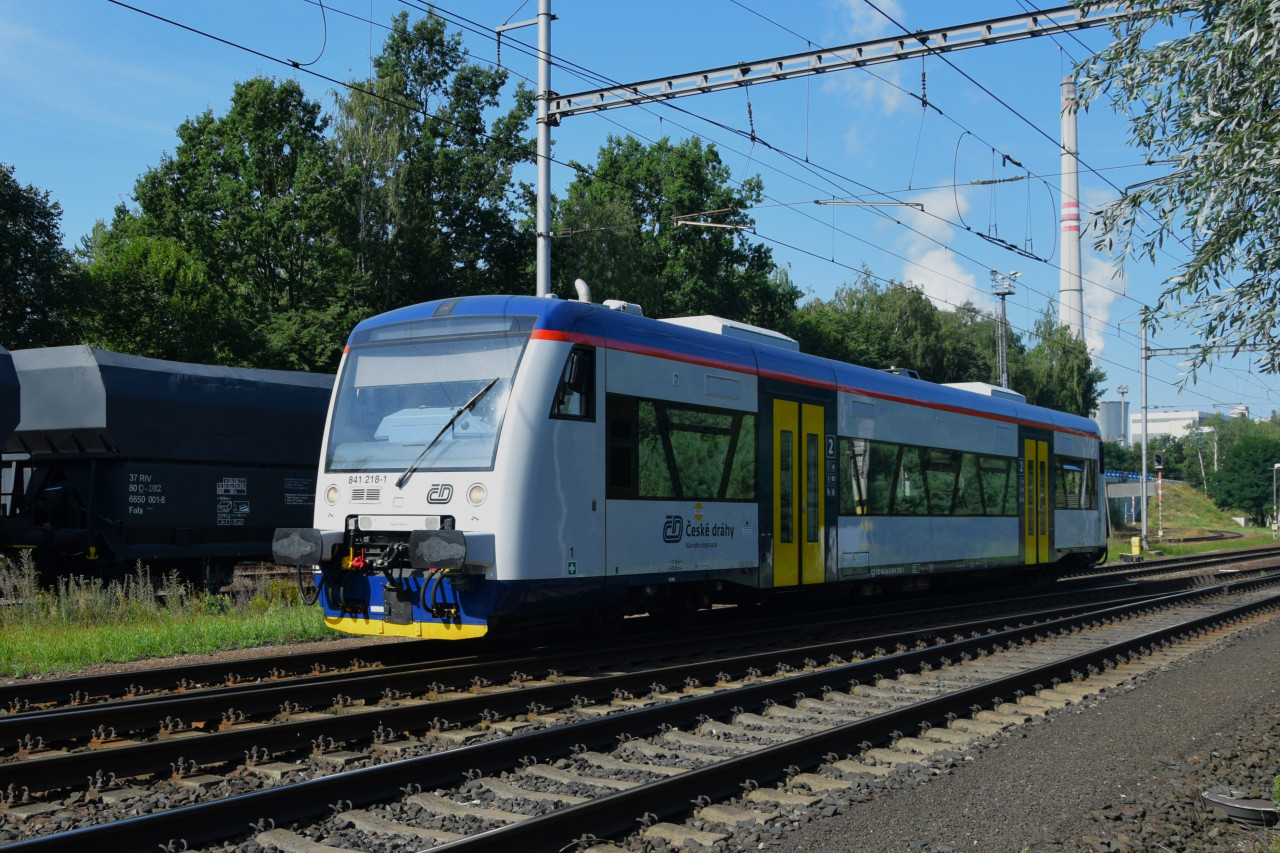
x=862, y=23
x=947, y=284
x=860, y=89
x=932, y=266
x=1101, y=288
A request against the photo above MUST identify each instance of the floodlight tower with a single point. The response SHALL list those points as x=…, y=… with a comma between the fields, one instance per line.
x=1002, y=286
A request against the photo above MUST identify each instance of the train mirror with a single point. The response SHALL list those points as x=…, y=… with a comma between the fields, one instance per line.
x=577, y=373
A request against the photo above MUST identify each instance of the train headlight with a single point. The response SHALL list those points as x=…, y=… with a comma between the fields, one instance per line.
x=477, y=494
x=331, y=494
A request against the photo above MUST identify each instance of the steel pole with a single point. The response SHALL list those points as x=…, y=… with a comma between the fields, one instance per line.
x=1145, y=543
x=543, y=218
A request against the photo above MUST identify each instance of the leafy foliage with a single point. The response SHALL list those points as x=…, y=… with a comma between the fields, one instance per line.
x=39, y=284
x=1205, y=103
x=1057, y=372
x=432, y=183
x=898, y=326
x=236, y=250
x=621, y=234
x=153, y=298
x=1244, y=481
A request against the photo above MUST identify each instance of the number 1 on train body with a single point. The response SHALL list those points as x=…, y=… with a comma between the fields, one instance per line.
x=798, y=496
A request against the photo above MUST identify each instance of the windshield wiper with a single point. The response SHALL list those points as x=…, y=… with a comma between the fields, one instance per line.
x=408, y=472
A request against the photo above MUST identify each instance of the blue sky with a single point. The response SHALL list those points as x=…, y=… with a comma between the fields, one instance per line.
x=94, y=91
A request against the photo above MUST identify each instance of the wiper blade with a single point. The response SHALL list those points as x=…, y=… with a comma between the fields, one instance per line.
x=408, y=472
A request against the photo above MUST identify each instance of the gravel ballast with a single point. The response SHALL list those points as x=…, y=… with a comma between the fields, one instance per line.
x=1122, y=773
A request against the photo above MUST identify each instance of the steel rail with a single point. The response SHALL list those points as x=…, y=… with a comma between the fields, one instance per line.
x=143, y=711
x=60, y=770
x=615, y=814
x=209, y=821
x=214, y=673
x=211, y=676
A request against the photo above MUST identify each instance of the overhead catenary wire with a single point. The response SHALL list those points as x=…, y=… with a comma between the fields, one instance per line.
x=1091, y=169
x=595, y=77
x=437, y=10
x=434, y=10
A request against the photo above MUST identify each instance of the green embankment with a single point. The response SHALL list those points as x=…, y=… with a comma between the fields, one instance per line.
x=1187, y=514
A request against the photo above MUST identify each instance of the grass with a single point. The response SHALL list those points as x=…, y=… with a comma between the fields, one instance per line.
x=1187, y=512
x=84, y=621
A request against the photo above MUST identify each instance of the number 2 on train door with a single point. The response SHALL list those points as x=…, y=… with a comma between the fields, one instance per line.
x=798, y=495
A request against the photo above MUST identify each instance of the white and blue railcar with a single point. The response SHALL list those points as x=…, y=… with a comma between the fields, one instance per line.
x=494, y=458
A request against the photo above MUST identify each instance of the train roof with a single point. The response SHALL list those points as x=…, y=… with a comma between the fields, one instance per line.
x=599, y=325
x=10, y=395
x=78, y=400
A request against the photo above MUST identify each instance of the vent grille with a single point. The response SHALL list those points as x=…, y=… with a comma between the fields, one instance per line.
x=366, y=496
x=722, y=386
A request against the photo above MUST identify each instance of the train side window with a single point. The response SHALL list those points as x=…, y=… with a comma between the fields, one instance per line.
x=969, y=487
x=621, y=460
x=909, y=495
x=741, y=471
x=882, y=473
x=880, y=478
x=941, y=475
x=999, y=486
x=853, y=478
x=663, y=450
x=1076, y=483
x=575, y=397
x=1066, y=487
x=708, y=454
x=657, y=458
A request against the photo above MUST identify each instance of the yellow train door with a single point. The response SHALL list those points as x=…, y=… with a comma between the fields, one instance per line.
x=1035, y=463
x=799, y=500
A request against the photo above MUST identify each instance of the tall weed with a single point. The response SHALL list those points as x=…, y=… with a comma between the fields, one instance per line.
x=82, y=617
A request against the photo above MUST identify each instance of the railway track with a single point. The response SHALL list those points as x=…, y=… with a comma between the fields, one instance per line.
x=1163, y=566
x=56, y=747
x=61, y=747
x=49, y=694
x=691, y=725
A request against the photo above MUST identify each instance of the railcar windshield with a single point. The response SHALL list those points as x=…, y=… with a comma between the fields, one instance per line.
x=402, y=385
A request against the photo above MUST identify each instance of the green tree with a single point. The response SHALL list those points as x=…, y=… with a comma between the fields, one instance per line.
x=39, y=283
x=619, y=231
x=898, y=325
x=874, y=326
x=430, y=183
x=1057, y=372
x=1117, y=458
x=1243, y=481
x=966, y=350
x=151, y=297
x=249, y=207
x=1203, y=99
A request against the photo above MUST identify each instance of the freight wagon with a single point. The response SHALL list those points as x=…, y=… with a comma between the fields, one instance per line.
x=117, y=459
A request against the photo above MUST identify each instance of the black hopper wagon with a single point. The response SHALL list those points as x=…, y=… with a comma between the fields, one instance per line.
x=117, y=459
x=10, y=396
